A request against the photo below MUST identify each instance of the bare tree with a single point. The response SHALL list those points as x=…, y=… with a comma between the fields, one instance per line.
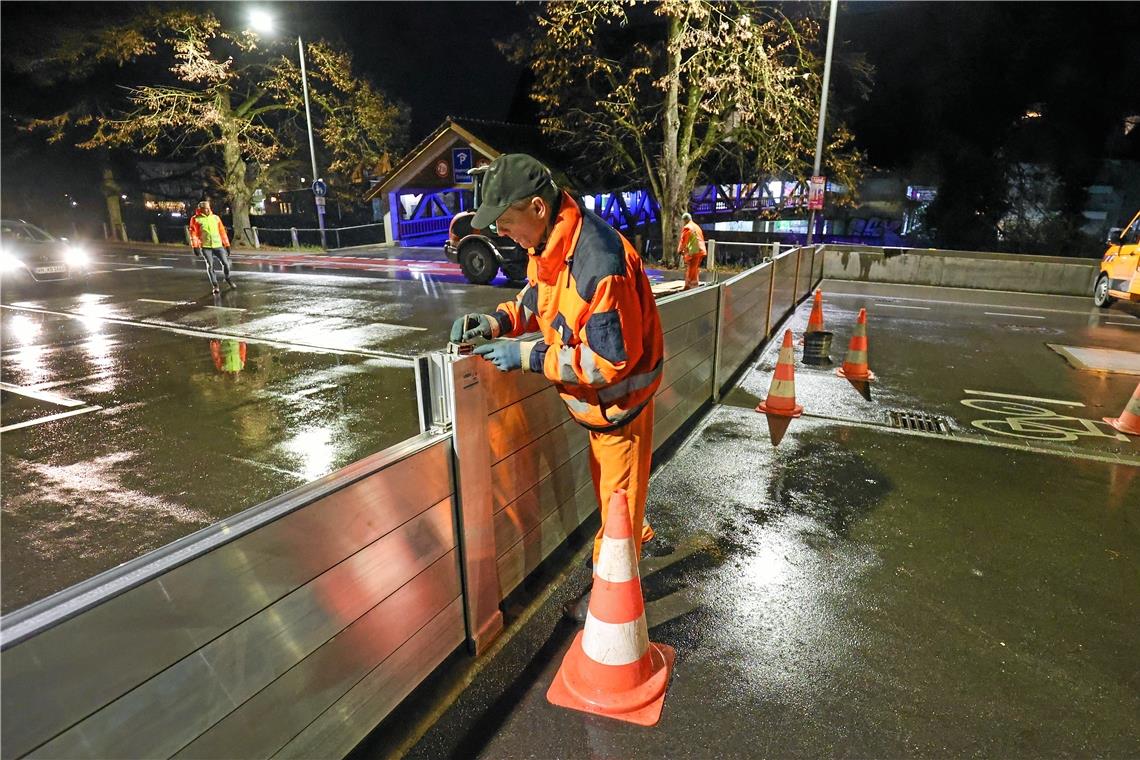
x=657, y=93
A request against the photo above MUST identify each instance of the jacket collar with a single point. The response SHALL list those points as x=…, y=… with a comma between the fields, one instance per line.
x=560, y=244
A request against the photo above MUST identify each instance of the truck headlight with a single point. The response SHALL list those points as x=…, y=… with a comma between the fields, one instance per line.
x=75, y=256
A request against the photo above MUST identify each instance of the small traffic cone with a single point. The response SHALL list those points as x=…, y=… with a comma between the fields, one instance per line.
x=855, y=365
x=815, y=319
x=1129, y=420
x=781, y=399
x=612, y=669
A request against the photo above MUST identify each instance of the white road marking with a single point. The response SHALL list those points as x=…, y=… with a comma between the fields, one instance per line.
x=172, y=303
x=227, y=308
x=224, y=336
x=1023, y=316
x=975, y=440
x=129, y=269
x=41, y=395
x=49, y=418
x=901, y=306
x=100, y=271
x=1022, y=398
x=1124, y=324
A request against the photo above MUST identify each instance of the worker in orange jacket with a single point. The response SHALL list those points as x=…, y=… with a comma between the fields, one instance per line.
x=692, y=249
x=209, y=240
x=601, y=343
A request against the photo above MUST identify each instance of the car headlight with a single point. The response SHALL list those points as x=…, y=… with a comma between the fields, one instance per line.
x=9, y=262
x=75, y=256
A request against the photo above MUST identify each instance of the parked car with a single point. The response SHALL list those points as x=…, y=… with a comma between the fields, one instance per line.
x=1120, y=268
x=482, y=253
x=30, y=254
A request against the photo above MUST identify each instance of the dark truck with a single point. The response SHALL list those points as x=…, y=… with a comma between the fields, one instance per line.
x=481, y=253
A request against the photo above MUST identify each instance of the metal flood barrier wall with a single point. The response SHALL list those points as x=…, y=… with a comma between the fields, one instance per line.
x=295, y=627
x=283, y=631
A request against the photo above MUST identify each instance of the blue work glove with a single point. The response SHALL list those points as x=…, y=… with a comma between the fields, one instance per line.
x=478, y=326
x=504, y=354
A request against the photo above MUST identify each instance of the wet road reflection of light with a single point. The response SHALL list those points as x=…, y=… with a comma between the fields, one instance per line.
x=29, y=359
x=23, y=329
x=313, y=450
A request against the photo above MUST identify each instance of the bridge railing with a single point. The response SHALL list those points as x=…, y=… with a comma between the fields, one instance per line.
x=293, y=628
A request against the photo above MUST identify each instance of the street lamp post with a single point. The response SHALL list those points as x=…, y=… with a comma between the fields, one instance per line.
x=822, y=111
x=261, y=21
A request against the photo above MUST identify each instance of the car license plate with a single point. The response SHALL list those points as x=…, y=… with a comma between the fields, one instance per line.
x=50, y=270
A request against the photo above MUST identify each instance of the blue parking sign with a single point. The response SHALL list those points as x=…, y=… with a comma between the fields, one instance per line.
x=462, y=160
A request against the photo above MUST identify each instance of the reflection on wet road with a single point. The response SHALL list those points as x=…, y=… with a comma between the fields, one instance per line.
x=137, y=408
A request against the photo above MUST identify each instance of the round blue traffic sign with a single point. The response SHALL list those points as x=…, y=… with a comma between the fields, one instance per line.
x=320, y=189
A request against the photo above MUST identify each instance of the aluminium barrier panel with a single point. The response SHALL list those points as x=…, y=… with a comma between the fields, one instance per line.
x=783, y=287
x=743, y=324
x=803, y=272
x=292, y=628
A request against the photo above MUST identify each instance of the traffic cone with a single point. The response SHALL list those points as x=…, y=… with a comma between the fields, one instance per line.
x=612, y=669
x=815, y=319
x=1129, y=420
x=855, y=365
x=781, y=399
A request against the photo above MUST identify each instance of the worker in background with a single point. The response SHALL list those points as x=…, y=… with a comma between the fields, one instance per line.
x=692, y=249
x=209, y=240
x=601, y=341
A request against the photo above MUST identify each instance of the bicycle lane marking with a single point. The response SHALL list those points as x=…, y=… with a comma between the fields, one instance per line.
x=1035, y=423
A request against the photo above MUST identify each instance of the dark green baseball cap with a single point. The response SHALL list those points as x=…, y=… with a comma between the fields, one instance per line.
x=509, y=179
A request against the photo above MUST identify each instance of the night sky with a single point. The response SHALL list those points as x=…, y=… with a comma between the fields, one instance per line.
x=950, y=77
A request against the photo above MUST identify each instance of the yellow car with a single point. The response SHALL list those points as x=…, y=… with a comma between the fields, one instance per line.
x=1120, y=268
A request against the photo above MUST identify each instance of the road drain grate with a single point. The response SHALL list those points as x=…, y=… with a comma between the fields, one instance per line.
x=925, y=423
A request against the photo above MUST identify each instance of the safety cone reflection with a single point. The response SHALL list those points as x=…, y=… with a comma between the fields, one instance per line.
x=855, y=365
x=612, y=669
x=815, y=319
x=781, y=399
x=1129, y=420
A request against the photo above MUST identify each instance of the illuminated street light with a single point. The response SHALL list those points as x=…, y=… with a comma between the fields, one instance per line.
x=822, y=112
x=262, y=22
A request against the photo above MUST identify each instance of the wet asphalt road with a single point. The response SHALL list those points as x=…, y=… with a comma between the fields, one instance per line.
x=171, y=409
x=861, y=591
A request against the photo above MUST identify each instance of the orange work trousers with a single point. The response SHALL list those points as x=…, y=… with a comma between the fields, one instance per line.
x=693, y=269
x=621, y=459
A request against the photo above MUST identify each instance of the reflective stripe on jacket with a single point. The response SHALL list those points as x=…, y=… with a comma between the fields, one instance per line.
x=588, y=294
x=692, y=240
x=207, y=231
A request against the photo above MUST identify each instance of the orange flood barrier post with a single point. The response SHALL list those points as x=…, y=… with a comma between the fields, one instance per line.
x=612, y=669
x=781, y=399
x=855, y=365
x=815, y=320
x=1129, y=420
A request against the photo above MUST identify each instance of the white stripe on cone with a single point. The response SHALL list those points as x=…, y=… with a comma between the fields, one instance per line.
x=616, y=562
x=615, y=643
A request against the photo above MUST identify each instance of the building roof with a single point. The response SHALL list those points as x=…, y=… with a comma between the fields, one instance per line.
x=489, y=138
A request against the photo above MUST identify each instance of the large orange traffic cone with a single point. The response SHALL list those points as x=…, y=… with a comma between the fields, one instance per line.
x=815, y=319
x=612, y=669
x=1129, y=420
x=781, y=399
x=855, y=365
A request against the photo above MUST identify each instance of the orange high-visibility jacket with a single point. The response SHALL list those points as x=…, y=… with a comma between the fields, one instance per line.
x=207, y=227
x=601, y=334
x=692, y=240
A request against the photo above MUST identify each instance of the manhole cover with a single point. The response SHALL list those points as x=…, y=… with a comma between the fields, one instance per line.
x=921, y=421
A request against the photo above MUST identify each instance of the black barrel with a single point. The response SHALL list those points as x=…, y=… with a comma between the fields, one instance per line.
x=817, y=348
